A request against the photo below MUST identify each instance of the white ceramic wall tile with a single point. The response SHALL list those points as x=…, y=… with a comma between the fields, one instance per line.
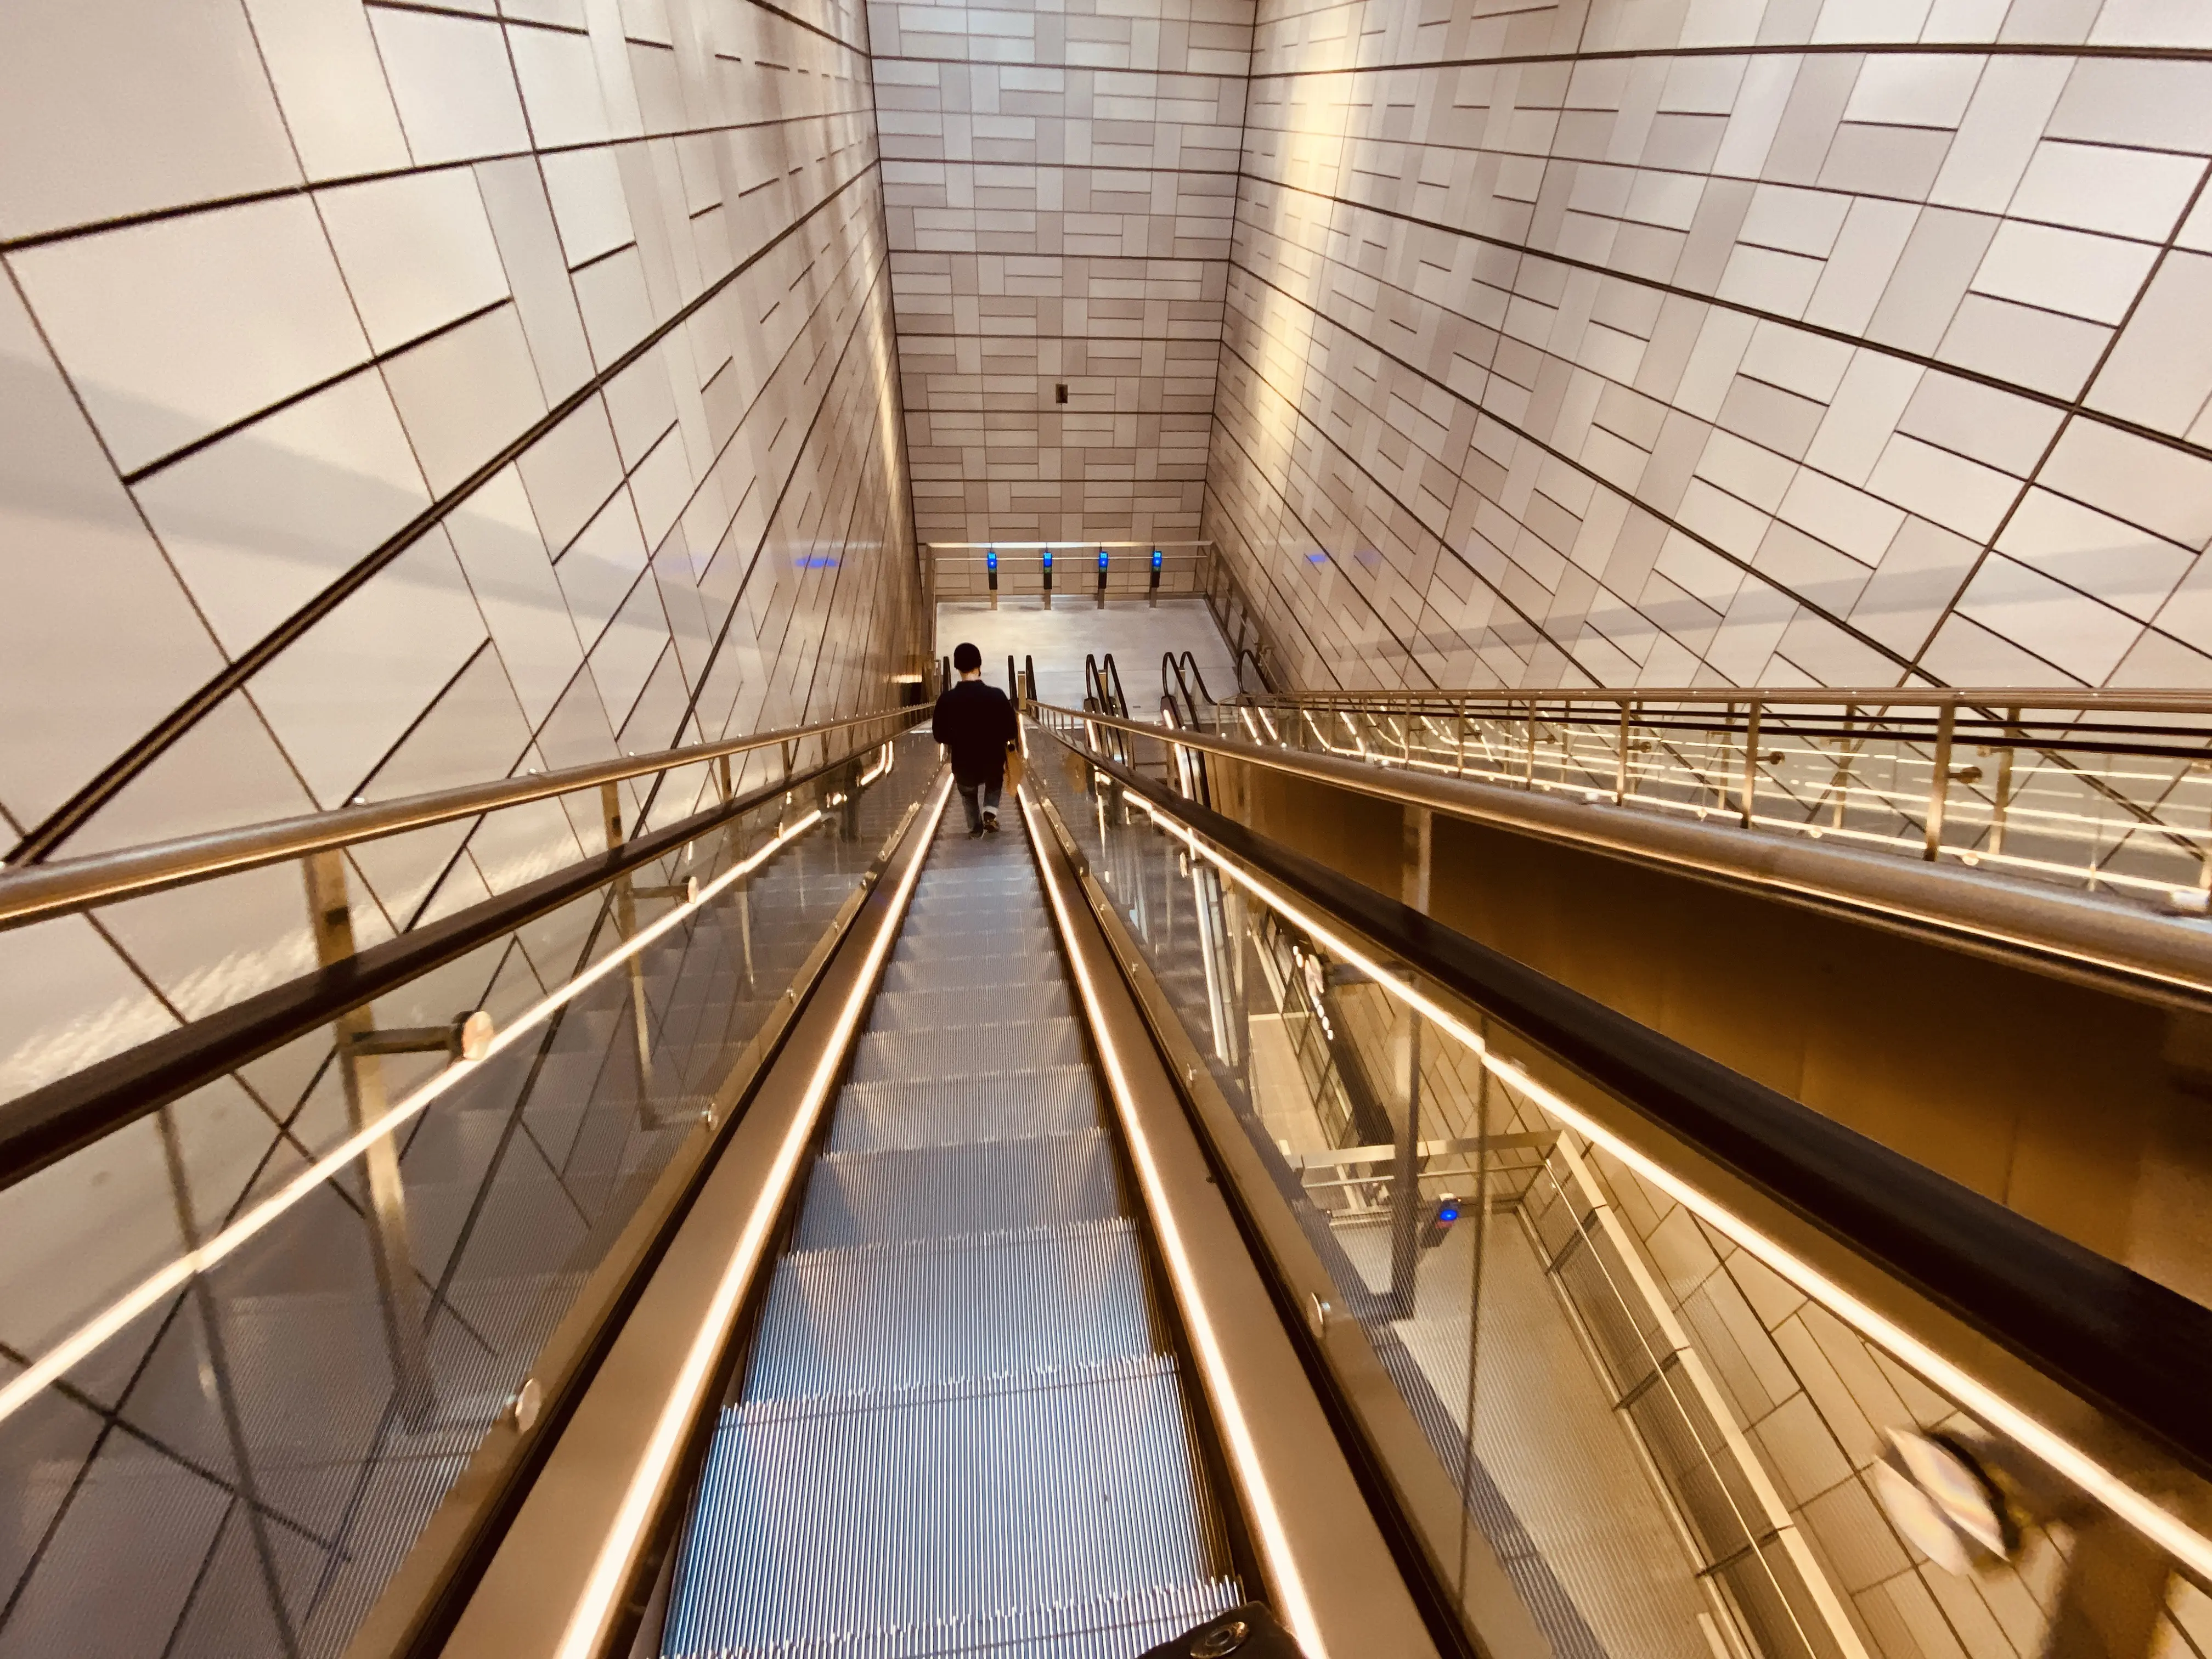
x=465, y=394
x=172, y=329
x=98, y=640
x=263, y=520
x=109, y=107
x=416, y=251
x=453, y=82
x=330, y=83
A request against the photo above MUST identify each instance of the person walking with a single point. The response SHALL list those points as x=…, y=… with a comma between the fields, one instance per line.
x=975, y=724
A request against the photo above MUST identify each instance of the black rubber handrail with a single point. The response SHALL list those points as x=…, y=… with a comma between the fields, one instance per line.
x=46, y=1125
x=2127, y=1344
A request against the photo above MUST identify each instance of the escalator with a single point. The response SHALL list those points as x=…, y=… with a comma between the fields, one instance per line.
x=964, y=1424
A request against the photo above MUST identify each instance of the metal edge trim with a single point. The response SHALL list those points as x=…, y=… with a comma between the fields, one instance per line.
x=1339, y=1357
x=416, y=1603
x=1334, y=1579
x=555, y=1581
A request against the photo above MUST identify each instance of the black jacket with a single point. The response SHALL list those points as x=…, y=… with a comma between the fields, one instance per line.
x=976, y=723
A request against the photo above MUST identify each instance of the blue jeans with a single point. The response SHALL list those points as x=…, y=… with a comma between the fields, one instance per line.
x=975, y=798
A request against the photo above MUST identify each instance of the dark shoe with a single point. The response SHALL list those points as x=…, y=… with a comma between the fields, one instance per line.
x=991, y=822
x=976, y=834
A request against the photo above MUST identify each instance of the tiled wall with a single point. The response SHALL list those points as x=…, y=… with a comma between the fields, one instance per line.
x=454, y=394
x=1060, y=183
x=1671, y=341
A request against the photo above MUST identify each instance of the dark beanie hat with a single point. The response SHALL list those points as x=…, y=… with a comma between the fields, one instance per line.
x=966, y=658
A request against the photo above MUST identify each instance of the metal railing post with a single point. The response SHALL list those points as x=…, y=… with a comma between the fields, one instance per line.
x=399, y=1288
x=625, y=898
x=2004, y=784
x=1417, y=847
x=1529, y=772
x=1620, y=758
x=1751, y=763
x=1939, y=783
x=1461, y=739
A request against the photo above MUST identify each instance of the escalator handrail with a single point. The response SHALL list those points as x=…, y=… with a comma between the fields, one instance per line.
x=48, y=1124
x=36, y=892
x=2122, y=1341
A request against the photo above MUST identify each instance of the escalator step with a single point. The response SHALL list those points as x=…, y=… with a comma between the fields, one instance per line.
x=967, y=1051
x=892, y=1316
x=946, y=1192
x=860, y=1514
x=945, y=1008
x=901, y=1112
x=1030, y=943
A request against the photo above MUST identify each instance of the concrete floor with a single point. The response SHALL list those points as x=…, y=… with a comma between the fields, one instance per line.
x=1137, y=634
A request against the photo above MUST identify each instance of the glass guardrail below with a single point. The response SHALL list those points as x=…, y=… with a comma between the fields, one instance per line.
x=2106, y=797
x=1676, y=1439
x=254, y=1340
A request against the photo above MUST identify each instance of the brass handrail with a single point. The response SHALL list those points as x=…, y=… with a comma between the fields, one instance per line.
x=31, y=893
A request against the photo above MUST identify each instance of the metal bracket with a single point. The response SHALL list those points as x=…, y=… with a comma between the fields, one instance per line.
x=467, y=1036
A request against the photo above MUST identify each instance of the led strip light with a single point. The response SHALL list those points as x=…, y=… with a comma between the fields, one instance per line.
x=88, y=1336
x=1274, y=1545
x=2151, y=1519
x=610, y=1567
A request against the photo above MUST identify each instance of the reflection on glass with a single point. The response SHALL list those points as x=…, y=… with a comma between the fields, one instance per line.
x=1668, y=1451
x=241, y=1470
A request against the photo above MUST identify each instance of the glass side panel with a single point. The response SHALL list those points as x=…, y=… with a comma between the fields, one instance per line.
x=1669, y=1451
x=241, y=1466
x=2098, y=800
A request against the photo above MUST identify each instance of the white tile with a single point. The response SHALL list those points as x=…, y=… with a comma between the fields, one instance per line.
x=1840, y=515
x=109, y=107
x=2083, y=638
x=1918, y=577
x=174, y=329
x=511, y=573
x=2161, y=104
x=571, y=471
x=97, y=639
x=2128, y=192
x=585, y=189
x=1862, y=415
x=2038, y=350
x=1996, y=139
x=1914, y=89
x=1997, y=428
x=416, y=251
x=465, y=395
x=337, y=105
x=2067, y=272
x=1852, y=21
x=455, y=90
x=341, y=695
x=1796, y=220
x=225, y=770
x=601, y=567
x=2134, y=478
x=2152, y=23
x=1858, y=269
x=2160, y=371
x=264, y=520
x=530, y=249
x=1945, y=489
x=559, y=88
x=624, y=655
x=2126, y=568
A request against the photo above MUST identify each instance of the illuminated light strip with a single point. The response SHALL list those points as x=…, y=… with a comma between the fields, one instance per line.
x=890, y=754
x=2158, y=1525
x=587, y=1622
x=1274, y=1545
x=88, y=1336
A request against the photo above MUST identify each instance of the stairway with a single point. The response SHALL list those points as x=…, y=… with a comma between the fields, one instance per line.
x=962, y=1427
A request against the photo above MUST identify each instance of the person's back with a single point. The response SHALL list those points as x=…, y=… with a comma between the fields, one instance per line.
x=976, y=723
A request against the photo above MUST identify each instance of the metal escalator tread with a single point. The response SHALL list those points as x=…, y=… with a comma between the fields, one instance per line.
x=961, y=1429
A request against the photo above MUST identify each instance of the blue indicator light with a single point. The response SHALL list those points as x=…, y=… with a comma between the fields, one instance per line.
x=991, y=559
x=1156, y=558
x=1102, y=558
x=1048, y=558
x=1447, y=1215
